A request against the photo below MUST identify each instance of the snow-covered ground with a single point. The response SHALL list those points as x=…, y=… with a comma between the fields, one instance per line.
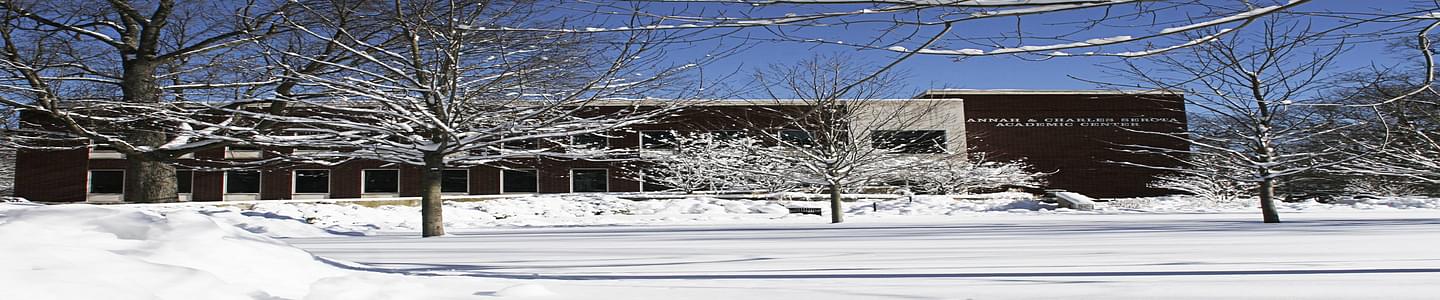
x=999, y=246
x=326, y=219
x=1324, y=255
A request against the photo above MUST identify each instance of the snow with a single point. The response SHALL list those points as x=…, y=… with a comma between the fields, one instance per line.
x=1325, y=255
x=288, y=219
x=1003, y=245
x=91, y=252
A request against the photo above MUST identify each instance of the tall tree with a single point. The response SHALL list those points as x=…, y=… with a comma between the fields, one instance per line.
x=1256, y=95
x=837, y=123
x=446, y=94
x=118, y=74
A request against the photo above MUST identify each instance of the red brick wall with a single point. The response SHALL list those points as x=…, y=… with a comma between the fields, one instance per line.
x=1077, y=153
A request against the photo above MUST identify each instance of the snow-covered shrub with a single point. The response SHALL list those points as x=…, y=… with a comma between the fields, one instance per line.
x=1206, y=186
x=1380, y=186
x=958, y=174
x=710, y=162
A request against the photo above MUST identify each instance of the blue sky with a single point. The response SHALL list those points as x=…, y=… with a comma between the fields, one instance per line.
x=1011, y=72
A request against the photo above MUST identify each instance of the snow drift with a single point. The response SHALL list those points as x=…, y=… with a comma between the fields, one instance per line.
x=90, y=252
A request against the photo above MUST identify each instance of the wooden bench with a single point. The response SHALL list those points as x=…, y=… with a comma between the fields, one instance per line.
x=804, y=210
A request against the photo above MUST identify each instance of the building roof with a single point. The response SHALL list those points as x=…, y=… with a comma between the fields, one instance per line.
x=962, y=92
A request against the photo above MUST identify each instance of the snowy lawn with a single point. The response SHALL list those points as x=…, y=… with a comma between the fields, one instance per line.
x=1003, y=246
x=1320, y=255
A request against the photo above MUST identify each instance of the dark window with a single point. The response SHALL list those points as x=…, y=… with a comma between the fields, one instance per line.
x=527, y=144
x=183, y=181
x=382, y=181
x=107, y=182
x=590, y=141
x=657, y=139
x=588, y=181
x=243, y=148
x=312, y=181
x=726, y=135
x=650, y=185
x=518, y=181
x=910, y=141
x=104, y=148
x=454, y=181
x=797, y=137
x=242, y=182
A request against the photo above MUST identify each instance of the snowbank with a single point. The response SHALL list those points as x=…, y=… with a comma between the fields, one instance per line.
x=1192, y=204
x=91, y=252
x=289, y=219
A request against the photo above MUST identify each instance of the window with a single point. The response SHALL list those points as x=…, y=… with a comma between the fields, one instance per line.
x=526, y=144
x=589, y=181
x=726, y=135
x=455, y=181
x=381, y=181
x=242, y=152
x=648, y=184
x=590, y=141
x=107, y=182
x=105, y=152
x=797, y=138
x=910, y=141
x=184, y=180
x=518, y=181
x=657, y=139
x=242, y=182
x=312, y=181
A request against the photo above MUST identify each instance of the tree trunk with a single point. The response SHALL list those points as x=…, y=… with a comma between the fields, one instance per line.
x=836, y=214
x=147, y=180
x=431, y=222
x=1267, y=201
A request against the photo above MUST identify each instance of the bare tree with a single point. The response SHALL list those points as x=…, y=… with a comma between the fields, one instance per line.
x=1041, y=29
x=1255, y=94
x=9, y=121
x=1399, y=130
x=128, y=75
x=448, y=95
x=839, y=124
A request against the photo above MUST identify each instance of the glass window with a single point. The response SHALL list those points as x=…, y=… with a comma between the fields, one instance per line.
x=454, y=181
x=382, y=181
x=107, y=182
x=657, y=139
x=650, y=185
x=312, y=181
x=184, y=179
x=518, y=181
x=910, y=141
x=590, y=141
x=588, y=181
x=242, y=182
x=242, y=148
x=527, y=144
x=797, y=137
x=725, y=135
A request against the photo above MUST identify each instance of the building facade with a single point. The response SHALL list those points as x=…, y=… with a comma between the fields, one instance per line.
x=1081, y=137
x=975, y=120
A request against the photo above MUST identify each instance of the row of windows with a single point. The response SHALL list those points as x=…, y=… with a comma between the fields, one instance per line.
x=904, y=141
x=381, y=181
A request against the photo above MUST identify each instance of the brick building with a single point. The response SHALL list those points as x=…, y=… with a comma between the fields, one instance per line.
x=1071, y=133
